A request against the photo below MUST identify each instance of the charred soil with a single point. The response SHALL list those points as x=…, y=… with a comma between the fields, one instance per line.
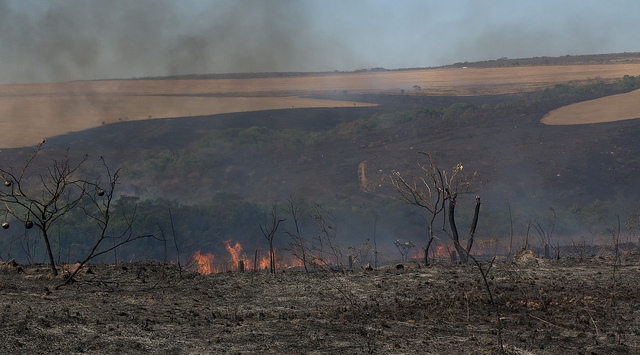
x=510, y=149
x=579, y=306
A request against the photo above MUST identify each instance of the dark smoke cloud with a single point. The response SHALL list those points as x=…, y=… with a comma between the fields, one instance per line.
x=60, y=40
x=74, y=39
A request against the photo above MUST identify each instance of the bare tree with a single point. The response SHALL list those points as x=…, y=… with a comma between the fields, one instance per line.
x=40, y=202
x=39, y=195
x=426, y=191
x=545, y=233
x=438, y=187
x=99, y=210
x=506, y=193
x=404, y=248
x=327, y=241
x=299, y=245
x=269, y=229
x=455, y=183
x=376, y=217
x=543, y=227
x=434, y=189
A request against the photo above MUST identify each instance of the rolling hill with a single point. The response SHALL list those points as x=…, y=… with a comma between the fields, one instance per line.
x=489, y=120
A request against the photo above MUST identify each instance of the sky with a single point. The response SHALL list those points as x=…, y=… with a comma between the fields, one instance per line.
x=65, y=40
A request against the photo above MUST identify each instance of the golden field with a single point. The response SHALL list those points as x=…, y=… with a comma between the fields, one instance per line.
x=606, y=109
x=32, y=112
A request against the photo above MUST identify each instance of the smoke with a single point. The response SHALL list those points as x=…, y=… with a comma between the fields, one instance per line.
x=80, y=39
x=543, y=28
x=61, y=40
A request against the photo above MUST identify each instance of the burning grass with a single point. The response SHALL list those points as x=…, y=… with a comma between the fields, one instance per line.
x=209, y=263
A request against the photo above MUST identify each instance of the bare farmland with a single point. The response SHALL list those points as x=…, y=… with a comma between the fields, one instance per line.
x=32, y=112
x=606, y=109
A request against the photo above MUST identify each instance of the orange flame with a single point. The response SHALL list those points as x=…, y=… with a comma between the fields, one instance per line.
x=264, y=262
x=436, y=251
x=235, y=251
x=205, y=263
x=294, y=262
x=440, y=251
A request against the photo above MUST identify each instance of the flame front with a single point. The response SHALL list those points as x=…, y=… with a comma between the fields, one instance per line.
x=440, y=251
x=205, y=263
x=264, y=262
x=235, y=252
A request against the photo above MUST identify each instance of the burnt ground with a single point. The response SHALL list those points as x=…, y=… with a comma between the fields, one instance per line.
x=576, y=306
x=510, y=149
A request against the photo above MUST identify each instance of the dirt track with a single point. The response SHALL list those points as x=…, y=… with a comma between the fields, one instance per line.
x=547, y=307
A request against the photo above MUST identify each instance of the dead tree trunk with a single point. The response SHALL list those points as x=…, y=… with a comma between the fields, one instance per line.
x=52, y=262
x=462, y=251
x=269, y=231
x=474, y=224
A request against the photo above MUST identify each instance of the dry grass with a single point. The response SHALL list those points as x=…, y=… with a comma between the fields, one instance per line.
x=29, y=119
x=31, y=112
x=605, y=109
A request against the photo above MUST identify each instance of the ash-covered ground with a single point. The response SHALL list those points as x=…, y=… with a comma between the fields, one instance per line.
x=567, y=306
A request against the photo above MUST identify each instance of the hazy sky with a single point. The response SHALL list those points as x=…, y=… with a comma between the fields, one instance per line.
x=59, y=40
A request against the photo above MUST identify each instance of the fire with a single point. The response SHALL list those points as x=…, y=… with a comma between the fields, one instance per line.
x=205, y=262
x=293, y=263
x=235, y=252
x=264, y=262
x=440, y=251
x=437, y=251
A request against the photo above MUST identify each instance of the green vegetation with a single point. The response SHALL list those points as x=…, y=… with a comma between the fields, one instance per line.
x=218, y=147
x=389, y=120
x=201, y=226
x=628, y=83
x=386, y=120
x=597, y=88
x=228, y=216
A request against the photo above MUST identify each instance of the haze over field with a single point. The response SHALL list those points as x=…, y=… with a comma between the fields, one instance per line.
x=92, y=39
x=44, y=110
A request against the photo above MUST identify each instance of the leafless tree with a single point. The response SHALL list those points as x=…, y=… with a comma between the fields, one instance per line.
x=425, y=191
x=39, y=195
x=376, y=217
x=269, y=229
x=40, y=202
x=545, y=233
x=360, y=254
x=441, y=188
x=433, y=190
x=543, y=228
x=506, y=193
x=404, y=248
x=101, y=193
x=299, y=245
x=327, y=241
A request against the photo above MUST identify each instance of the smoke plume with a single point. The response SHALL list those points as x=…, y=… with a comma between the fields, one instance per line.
x=62, y=40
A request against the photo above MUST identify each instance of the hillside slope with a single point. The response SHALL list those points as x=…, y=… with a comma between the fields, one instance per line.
x=342, y=154
x=189, y=159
